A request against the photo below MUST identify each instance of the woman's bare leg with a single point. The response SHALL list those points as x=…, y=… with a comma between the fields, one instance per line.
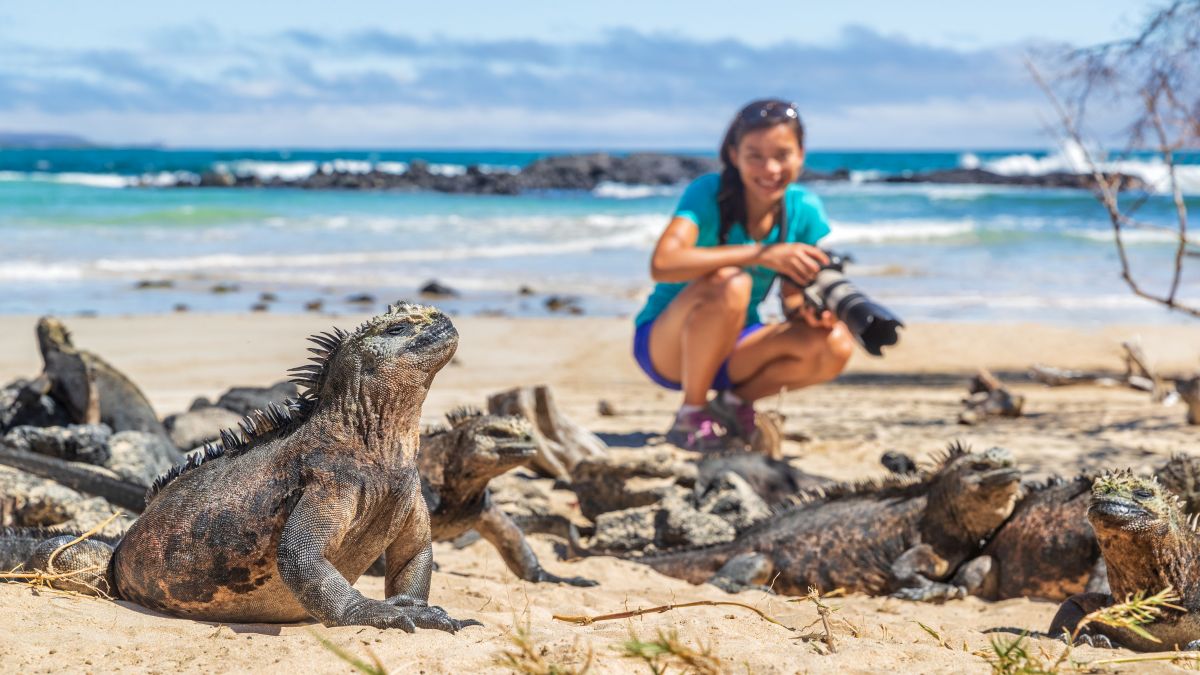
x=791, y=355
x=697, y=331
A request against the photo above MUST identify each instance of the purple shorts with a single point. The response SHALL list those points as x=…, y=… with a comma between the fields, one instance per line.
x=641, y=352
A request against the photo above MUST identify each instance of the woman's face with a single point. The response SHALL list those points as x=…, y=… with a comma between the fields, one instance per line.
x=769, y=160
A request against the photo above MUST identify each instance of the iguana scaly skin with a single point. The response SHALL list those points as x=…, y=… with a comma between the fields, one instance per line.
x=28, y=549
x=1047, y=549
x=904, y=535
x=1148, y=543
x=275, y=522
x=456, y=465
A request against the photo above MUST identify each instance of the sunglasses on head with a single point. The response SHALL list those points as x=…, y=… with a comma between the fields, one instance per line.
x=769, y=110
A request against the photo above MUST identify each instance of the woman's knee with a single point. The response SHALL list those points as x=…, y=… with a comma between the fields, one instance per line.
x=727, y=286
x=838, y=347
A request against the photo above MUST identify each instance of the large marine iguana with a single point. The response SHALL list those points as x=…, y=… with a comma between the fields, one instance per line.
x=1148, y=543
x=276, y=521
x=456, y=464
x=904, y=535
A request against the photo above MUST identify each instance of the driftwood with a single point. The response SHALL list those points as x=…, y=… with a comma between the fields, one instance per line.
x=1189, y=391
x=1061, y=377
x=987, y=397
x=1137, y=369
x=78, y=476
x=561, y=443
x=1139, y=374
x=768, y=434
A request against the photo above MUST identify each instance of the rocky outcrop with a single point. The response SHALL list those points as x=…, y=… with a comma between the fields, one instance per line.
x=587, y=171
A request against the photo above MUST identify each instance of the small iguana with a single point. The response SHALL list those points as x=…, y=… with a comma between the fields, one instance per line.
x=904, y=535
x=275, y=522
x=1148, y=544
x=91, y=389
x=456, y=465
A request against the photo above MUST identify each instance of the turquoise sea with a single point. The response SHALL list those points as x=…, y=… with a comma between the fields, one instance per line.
x=77, y=237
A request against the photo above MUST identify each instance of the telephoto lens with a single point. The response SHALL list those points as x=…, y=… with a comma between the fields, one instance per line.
x=872, y=324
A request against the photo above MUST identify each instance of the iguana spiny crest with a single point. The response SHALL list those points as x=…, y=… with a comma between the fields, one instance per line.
x=345, y=367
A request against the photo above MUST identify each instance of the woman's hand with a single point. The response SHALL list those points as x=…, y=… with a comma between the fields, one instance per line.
x=826, y=319
x=795, y=306
x=800, y=262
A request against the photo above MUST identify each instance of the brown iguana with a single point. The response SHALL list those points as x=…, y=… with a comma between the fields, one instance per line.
x=90, y=389
x=1148, y=543
x=275, y=522
x=1047, y=549
x=904, y=535
x=456, y=464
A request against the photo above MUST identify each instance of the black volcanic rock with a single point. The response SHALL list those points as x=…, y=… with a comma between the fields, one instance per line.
x=1058, y=179
x=586, y=171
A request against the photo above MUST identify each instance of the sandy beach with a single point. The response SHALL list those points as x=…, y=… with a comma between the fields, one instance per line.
x=908, y=401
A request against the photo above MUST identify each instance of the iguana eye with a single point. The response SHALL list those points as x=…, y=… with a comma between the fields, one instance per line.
x=396, y=330
x=1142, y=493
x=980, y=466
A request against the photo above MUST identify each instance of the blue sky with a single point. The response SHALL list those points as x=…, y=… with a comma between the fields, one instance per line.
x=534, y=74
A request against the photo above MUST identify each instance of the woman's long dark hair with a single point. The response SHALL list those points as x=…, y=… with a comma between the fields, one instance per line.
x=731, y=195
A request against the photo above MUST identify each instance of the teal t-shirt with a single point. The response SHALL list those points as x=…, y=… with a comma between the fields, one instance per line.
x=806, y=225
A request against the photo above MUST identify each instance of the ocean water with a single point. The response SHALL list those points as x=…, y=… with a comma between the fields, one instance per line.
x=77, y=237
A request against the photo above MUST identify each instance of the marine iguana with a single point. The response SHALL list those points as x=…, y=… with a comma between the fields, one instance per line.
x=276, y=521
x=91, y=389
x=456, y=464
x=903, y=535
x=1046, y=549
x=1148, y=543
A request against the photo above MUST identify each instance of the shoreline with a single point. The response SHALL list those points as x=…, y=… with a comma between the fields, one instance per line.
x=162, y=352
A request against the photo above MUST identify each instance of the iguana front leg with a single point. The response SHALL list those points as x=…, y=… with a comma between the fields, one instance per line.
x=318, y=521
x=912, y=572
x=979, y=576
x=500, y=530
x=745, y=572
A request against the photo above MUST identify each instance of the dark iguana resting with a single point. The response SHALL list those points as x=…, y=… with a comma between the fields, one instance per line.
x=1047, y=549
x=775, y=480
x=90, y=389
x=456, y=464
x=904, y=535
x=275, y=522
x=1148, y=543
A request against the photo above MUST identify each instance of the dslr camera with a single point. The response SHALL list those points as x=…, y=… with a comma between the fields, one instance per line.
x=872, y=324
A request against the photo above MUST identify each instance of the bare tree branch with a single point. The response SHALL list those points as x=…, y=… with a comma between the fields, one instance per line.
x=1157, y=73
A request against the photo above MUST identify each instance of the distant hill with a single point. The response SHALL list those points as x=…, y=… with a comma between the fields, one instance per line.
x=14, y=139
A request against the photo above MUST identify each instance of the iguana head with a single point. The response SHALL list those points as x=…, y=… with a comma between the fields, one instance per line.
x=1146, y=540
x=390, y=353
x=460, y=459
x=52, y=335
x=1124, y=503
x=976, y=491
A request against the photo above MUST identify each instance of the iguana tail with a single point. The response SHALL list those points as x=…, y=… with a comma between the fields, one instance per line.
x=81, y=566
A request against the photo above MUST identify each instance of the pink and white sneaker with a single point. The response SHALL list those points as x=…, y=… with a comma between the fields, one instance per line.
x=698, y=431
x=738, y=418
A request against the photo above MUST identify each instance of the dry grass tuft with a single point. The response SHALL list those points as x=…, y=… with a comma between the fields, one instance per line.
x=1138, y=610
x=529, y=659
x=373, y=668
x=668, y=650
